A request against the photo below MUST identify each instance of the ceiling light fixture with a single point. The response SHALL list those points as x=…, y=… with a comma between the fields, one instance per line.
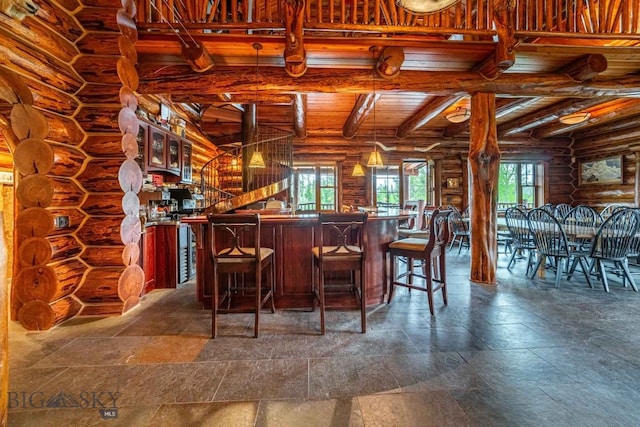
x=375, y=159
x=575, y=118
x=257, y=161
x=459, y=115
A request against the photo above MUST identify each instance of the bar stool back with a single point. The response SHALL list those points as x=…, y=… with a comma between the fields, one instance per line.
x=236, y=250
x=341, y=242
x=430, y=251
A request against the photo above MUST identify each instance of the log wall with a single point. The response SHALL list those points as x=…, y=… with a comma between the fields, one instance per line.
x=43, y=136
x=599, y=195
x=452, y=162
x=74, y=95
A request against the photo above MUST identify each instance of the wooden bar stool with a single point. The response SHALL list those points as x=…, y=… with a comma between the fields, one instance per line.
x=236, y=250
x=341, y=241
x=430, y=251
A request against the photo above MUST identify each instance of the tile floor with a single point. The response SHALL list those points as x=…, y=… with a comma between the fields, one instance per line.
x=521, y=353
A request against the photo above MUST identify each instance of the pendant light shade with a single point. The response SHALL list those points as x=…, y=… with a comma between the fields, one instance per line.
x=575, y=118
x=358, y=170
x=460, y=115
x=256, y=160
x=375, y=160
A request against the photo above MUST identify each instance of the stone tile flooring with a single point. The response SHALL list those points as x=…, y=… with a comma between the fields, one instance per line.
x=521, y=353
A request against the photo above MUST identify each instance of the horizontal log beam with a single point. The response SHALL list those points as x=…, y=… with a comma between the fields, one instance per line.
x=548, y=115
x=627, y=109
x=432, y=109
x=181, y=80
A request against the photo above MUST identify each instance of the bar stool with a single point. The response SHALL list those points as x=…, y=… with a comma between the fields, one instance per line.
x=341, y=241
x=235, y=249
x=430, y=251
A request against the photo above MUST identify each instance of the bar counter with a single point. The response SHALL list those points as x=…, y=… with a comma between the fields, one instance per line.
x=292, y=237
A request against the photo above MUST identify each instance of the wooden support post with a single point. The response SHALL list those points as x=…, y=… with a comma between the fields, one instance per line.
x=4, y=328
x=484, y=163
x=295, y=56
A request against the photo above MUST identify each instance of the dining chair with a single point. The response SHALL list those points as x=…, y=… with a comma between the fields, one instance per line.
x=580, y=218
x=522, y=241
x=612, y=244
x=548, y=207
x=460, y=233
x=561, y=210
x=431, y=253
x=609, y=209
x=236, y=251
x=551, y=242
x=340, y=247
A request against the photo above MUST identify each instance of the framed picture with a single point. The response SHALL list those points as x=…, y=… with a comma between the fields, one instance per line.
x=453, y=182
x=605, y=171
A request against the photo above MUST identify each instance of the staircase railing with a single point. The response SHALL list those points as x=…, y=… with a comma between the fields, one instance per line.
x=229, y=182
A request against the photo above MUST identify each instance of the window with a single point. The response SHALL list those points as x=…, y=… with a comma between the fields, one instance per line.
x=387, y=181
x=316, y=186
x=517, y=185
x=419, y=182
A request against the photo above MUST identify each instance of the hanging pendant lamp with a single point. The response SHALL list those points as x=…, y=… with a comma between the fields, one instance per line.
x=375, y=159
x=257, y=161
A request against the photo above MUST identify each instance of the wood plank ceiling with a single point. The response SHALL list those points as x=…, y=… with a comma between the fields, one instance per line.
x=435, y=77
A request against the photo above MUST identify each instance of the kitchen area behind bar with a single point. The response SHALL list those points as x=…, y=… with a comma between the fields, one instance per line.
x=168, y=246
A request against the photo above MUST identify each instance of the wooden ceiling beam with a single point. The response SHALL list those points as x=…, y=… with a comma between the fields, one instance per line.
x=181, y=80
x=429, y=111
x=363, y=106
x=235, y=100
x=549, y=114
x=627, y=109
x=504, y=106
x=222, y=114
x=582, y=69
x=300, y=115
x=631, y=108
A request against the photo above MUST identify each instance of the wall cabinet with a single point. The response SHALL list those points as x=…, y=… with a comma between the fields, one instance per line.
x=157, y=149
x=173, y=153
x=165, y=152
x=141, y=139
x=187, y=171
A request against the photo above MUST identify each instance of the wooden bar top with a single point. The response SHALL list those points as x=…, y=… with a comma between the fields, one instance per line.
x=292, y=236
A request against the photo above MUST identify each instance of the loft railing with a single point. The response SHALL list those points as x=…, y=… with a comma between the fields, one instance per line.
x=228, y=182
x=467, y=17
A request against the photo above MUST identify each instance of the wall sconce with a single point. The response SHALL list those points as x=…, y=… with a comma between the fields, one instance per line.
x=459, y=115
x=575, y=118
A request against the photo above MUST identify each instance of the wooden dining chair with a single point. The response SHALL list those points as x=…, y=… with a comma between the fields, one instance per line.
x=236, y=251
x=612, y=244
x=431, y=252
x=340, y=247
x=551, y=242
x=562, y=209
x=522, y=242
x=460, y=233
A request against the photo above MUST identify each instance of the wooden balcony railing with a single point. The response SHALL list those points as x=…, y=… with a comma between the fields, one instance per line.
x=619, y=18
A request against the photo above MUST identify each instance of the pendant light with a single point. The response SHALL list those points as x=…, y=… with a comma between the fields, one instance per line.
x=257, y=161
x=358, y=170
x=375, y=159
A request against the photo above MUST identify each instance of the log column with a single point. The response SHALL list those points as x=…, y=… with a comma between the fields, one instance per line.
x=484, y=164
x=112, y=178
